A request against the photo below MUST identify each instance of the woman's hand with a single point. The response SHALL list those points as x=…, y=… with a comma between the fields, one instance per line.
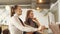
x=42, y=28
x=39, y=30
x=35, y=20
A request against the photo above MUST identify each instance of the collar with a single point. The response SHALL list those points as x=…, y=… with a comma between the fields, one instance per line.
x=16, y=15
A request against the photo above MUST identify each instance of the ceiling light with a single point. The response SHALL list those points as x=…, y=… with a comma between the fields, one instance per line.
x=37, y=8
x=40, y=1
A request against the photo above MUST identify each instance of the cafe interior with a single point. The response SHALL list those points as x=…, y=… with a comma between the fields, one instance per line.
x=46, y=11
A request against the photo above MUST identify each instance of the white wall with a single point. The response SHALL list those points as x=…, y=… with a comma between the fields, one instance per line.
x=4, y=14
x=59, y=10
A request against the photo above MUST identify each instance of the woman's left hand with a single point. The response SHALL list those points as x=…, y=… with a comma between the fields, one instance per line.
x=35, y=20
x=43, y=27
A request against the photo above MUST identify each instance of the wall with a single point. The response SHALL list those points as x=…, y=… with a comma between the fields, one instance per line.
x=59, y=10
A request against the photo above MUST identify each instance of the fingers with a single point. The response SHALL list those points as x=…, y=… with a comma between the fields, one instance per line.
x=40, y=31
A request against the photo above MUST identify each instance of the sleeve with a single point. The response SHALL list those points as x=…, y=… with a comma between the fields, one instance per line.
x=17, y=23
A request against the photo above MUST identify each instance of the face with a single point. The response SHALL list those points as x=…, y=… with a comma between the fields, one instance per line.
x=18, y=10
x=31, y=15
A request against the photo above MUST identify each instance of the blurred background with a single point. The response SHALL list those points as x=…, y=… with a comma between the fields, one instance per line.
x=41, y=8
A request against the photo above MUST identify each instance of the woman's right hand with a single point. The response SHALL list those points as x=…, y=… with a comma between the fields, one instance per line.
x=35, y=20
x=39, y=30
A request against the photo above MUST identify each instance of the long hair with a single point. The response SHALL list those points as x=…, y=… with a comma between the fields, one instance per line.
x=13, y=10
x=28, y=12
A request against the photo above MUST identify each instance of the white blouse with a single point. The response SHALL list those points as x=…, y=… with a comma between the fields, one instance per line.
x=16, y=27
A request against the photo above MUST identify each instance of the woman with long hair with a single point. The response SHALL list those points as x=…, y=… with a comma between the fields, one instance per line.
x=32, y=21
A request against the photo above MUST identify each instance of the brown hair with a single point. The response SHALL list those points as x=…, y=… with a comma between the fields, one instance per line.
x=6, y=31
x=12, y=10
x=28, y=12
x=15, y=7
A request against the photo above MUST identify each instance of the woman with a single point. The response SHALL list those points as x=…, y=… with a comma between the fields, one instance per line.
x=32, y=21
x=16, y=26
